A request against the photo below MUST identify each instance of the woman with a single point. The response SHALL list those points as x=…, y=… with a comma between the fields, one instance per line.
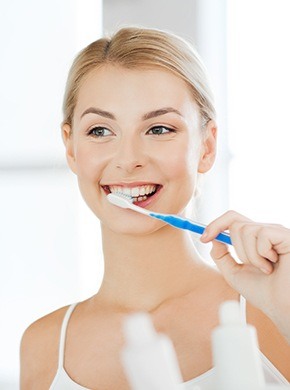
x=139, y=119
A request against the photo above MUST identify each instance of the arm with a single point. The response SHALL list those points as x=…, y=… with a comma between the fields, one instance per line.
x=263, y=275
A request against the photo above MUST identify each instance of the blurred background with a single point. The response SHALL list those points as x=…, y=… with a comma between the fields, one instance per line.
x=50, y=248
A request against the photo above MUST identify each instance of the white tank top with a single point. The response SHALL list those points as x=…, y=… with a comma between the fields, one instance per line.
x=205, y=381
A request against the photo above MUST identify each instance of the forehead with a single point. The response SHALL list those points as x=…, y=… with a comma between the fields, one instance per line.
x=115, y=86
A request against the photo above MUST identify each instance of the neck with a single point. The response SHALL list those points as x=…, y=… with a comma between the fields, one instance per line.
x=142, y=272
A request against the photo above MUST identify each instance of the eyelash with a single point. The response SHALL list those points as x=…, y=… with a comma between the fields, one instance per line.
x=169, y=130
x=91, y=131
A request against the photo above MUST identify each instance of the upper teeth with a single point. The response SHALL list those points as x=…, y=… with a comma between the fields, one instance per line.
x=134, y=191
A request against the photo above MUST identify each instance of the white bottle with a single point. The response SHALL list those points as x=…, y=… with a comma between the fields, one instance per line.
x=235, y=352
x=148, y=358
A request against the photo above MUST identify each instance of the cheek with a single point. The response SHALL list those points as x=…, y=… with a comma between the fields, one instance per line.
x=183, y=173
x=182, y=162
x=89, y=168
x=89, y=163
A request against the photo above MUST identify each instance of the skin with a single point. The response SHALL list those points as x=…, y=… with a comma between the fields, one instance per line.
x=149, y=266
x=263, y=276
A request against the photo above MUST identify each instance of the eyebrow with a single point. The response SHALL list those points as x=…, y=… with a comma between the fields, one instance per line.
x=160, y=111
x=148, y=115
x=98, y=111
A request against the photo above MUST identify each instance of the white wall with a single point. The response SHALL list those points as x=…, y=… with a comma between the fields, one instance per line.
x=171, y=15
x=41, y=247
x=259, y=131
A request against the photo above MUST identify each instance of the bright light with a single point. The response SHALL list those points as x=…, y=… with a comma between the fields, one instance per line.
x=258, y=96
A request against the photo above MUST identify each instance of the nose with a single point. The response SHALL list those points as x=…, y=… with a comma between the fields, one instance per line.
x=130, y=155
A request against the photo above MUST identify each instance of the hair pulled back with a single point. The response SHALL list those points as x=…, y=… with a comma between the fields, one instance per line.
x=134, y=48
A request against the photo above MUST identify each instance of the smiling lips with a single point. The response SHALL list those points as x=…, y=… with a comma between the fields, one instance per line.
x=138, y=193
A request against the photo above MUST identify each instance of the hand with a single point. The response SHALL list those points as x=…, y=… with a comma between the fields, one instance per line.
x=263, y=274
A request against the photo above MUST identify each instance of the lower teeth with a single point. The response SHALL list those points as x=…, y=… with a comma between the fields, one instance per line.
x=139, y=198
x=142, y=198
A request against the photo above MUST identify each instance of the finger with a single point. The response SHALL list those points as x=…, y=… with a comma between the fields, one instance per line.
x=224, y=222
x=265, y=248
x=238, y=243
x=254, y=256
x=225, y=262
x=274, y=240
x=244, y=278
x=235, y=222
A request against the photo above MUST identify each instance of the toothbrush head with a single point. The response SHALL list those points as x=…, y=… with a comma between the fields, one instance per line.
x=120, y=200
x=126, y=202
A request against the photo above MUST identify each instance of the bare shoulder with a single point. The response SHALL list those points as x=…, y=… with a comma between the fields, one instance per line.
x=273, y=345
x=39, y=351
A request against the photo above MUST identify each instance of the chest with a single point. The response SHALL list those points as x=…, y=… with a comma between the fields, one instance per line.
x=92, y=359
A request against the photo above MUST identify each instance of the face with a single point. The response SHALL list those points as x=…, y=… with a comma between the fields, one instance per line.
x=137, y=132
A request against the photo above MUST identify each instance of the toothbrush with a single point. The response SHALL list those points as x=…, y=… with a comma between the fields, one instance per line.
x=126, y=202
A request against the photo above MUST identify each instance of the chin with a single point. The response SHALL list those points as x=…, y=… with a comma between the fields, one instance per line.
x=133, y=228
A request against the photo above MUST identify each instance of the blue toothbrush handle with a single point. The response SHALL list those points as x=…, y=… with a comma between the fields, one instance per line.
x=194, y=227
x=199, y=229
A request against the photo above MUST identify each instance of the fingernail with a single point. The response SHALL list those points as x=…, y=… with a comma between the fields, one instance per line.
x=265, y=270
x=204, y=235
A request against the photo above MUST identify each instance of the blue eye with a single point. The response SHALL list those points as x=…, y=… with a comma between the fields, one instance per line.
x=99, y=132
x=160, y=130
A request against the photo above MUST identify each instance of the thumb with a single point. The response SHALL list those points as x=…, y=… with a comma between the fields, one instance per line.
x=246, y=279
x=229, y=268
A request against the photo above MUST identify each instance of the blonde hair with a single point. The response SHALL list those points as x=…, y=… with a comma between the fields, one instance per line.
x=132, y=48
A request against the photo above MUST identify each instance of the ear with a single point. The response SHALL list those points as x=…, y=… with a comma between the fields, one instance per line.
x=66, y=132
x=208, y=147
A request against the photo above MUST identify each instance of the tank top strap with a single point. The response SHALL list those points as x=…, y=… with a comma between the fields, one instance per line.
x=243, y=308
x=63, y=334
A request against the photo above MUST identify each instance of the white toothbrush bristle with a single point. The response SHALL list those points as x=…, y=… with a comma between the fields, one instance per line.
x=120, y=200
x=126, y=202
x=124, y=196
